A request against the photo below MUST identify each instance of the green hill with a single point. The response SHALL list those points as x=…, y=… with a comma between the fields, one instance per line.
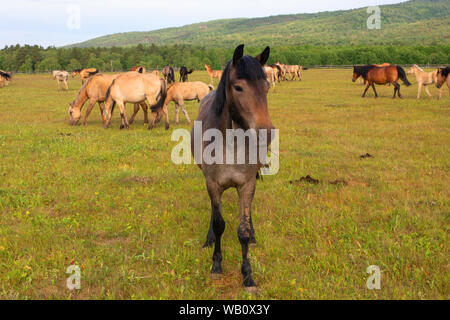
x=416, y=22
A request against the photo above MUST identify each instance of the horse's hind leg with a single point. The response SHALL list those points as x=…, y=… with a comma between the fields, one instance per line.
x=398, y=90
x=246, y=193
x=144, y=107
x=123, y=115
x=375, y=91
x=217, y=225
x=177, y=112
x=428, y=92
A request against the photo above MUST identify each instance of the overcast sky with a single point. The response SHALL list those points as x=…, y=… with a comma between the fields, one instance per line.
x=56, y=22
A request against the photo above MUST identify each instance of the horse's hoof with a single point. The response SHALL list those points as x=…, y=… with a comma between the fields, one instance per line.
x=252, y=290
x=121, y=127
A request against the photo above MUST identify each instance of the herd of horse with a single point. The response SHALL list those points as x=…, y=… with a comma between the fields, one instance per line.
x=240, y=102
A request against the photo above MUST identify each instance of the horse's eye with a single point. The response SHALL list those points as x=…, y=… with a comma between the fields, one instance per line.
x=238, y=88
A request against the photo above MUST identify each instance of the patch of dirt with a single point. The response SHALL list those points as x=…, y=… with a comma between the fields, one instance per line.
x=339, y=182
x=306, y=179
x=136, y=179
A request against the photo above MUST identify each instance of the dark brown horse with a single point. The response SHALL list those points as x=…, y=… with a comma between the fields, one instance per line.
x=442, y=76
x=184, y=73
x=239, y=103
x=168, y=74
x=381, y=75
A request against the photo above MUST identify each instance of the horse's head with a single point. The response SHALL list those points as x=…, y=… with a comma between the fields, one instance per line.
x=413, y=69
x=356, y=73
x=74, y=114
x=442, y=74
x=75, y=72
x=246, y=87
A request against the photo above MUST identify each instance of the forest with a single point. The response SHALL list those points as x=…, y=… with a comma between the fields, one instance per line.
x=29, y=59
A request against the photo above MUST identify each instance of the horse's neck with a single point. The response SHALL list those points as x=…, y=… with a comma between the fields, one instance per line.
x=81, y=97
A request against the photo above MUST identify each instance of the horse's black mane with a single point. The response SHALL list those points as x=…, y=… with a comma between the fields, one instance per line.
x=445, y=71
x=5, y=75
x=362, y=70
x=248, y=68
x=77, y=70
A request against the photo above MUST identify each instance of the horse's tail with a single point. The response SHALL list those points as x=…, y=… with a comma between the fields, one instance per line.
x=305, y=68
x=402, y=76
x=162, y=96
x=171, y=76
x=190, y=71
x=211, y=88
x=5, y=75
x=109, y=98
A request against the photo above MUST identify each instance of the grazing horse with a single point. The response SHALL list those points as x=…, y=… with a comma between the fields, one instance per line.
x=240, y=102
x=5, y=77
x=424, y=79
x=140, y=69
x=61, y=77
x=381, y=75
x=184, y=74
x=168, y=74
x=134, y=87
x=94, y=90
x=442, y=76
x=213, y=74
x=84, y=73
x=178, y=93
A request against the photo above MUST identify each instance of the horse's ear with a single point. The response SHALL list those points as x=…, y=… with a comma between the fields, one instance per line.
x=264, y=56
x=238, y=54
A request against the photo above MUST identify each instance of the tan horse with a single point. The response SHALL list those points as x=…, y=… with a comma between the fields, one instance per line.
x=180, y=92
x=424, y=79
x=5, y=77
x=94, y=90
x=442, y=76
x=135, y=87
x=61, y=77
x=213, y=74
x=270, y=73
x=283, y=70
x=84, y=73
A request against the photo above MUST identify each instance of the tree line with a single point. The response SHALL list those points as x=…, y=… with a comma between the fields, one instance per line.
x=38, y=59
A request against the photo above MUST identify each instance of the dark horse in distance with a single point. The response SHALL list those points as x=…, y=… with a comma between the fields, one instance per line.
x=373, y=74
x=184, y=73
x=240, y=102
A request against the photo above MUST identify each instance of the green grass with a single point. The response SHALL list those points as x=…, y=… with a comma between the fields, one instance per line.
x=113, y=203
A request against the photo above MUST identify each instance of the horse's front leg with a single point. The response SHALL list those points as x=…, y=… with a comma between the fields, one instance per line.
x=88, y=111
x=419, y=89
x=217, y=224
x=183, y=107
x=135, y=111
x=246, y=193
x=144, y=107
x=365, y=91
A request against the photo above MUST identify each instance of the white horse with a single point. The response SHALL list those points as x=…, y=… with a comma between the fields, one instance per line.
x=424, y=79
x=61, y=76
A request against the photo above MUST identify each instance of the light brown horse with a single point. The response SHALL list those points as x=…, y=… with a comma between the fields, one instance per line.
x=240, y=102
x=94, y=90
x=213, y=74
x=5, y=77
x=381, y=75
x=180, y=92
x=134, y=87
x=442, y=77
x=270, y=73
x=424, y=79
x=84, y=73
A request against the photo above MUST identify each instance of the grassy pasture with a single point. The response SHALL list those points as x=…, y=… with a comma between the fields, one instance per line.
x=113, y=203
